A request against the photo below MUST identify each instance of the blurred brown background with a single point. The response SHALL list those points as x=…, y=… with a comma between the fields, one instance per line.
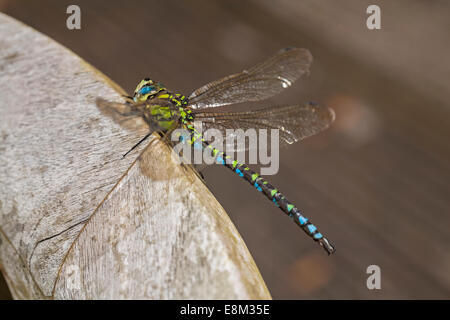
x=376, y=183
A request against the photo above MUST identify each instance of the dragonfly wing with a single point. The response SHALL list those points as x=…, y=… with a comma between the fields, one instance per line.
x=295, y=122
x=258, y=83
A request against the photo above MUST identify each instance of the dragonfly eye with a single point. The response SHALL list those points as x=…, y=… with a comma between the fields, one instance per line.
x=146, y=90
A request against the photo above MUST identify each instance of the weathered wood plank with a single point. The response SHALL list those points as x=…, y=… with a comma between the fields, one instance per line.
x=79, y=222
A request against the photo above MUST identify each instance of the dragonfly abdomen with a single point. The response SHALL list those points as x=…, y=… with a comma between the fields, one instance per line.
x=272, y=193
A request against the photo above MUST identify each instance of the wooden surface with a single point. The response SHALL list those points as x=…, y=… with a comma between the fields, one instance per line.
x=79, y=222
x=376, y=183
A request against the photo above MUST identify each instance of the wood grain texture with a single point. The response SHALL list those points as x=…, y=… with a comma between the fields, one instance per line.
x=79, y=222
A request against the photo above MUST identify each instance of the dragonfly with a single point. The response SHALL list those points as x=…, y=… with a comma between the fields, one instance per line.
x=163, y=110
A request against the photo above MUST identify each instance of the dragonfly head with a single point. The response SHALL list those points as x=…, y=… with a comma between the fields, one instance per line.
x=146, y=89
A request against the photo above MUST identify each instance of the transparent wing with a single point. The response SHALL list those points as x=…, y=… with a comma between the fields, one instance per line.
x=258, y=83
x=295, y=122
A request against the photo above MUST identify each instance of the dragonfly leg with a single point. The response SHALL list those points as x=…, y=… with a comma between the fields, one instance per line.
x=140, y=141
x=201, y=175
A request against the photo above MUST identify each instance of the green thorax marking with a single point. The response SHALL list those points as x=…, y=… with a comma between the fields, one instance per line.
x=163, y=115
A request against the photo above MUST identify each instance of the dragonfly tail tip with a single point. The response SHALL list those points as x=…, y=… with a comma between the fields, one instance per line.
x=327, y=246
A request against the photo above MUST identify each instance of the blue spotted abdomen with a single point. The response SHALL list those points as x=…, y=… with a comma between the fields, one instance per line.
x=272, y=193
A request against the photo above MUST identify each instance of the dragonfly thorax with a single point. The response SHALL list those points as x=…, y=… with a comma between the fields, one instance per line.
x=162, y=108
